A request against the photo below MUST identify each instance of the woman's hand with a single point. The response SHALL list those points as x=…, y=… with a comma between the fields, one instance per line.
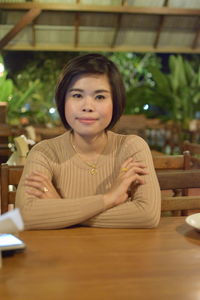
x=40, y=186
x=130, y=174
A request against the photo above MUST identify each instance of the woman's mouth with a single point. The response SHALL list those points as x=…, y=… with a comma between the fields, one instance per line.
x=86, y=120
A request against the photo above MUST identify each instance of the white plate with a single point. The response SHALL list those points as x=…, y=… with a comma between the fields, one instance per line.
x=194, y=221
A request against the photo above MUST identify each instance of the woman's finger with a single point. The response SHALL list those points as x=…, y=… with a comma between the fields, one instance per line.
x=35, y=184
x=34, y=192
x=136, y=179
x=137, y=171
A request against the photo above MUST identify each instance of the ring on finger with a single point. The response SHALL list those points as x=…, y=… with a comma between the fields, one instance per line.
x=124, y=169
x=45, y=189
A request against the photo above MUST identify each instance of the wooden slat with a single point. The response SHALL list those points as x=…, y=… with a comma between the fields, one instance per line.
x=117, y=29
x=194, y=148
x=103, y=8
x=197, y=36
x=179, y=179
x=89, y=48
x=15, y=174
x=76, y=25
x=11, y=197
x=118, y=25
x=180, y=203
x=10, y=175
x=160, y=27
x=168, y=162
x=25, y=20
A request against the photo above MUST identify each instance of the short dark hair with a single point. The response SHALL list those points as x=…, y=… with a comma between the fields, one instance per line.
x=91, y=64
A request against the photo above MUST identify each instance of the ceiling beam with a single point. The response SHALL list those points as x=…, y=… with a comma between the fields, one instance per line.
x=76, y=28
x=101, y=8
x=196, y=40
x=25, y=20
x=89, y=48
x=160, y=27
x=118, y=25
x=197, y=36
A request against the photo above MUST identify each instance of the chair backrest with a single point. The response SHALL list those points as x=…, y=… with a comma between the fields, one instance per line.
x=179, y=179
x=194, y=149
x=9, y=178
x=172, y=162
x=167, y=166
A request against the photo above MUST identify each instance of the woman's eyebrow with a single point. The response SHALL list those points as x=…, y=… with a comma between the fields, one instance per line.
x=75, y=90
x=102, y=91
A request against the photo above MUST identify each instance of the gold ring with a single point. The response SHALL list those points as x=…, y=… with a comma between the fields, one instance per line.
x=45, y=189
x=124, y=169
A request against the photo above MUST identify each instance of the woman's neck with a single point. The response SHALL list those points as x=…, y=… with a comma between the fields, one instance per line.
x=89, y=146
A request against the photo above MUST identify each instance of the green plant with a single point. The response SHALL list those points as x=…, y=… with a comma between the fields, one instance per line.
x=39, y=77
x=134, y=67
x=176, y=93
x=6, y=85
x=16, y=98
x=136, y=76
x=19, y=103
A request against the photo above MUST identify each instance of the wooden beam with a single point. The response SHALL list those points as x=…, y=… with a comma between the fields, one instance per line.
x=33, y=33
x=161, y=24
x=92, y=48
x=102, y=8
x=76, y=25
x=25, y=20
x=117, y=29
x=197, y=36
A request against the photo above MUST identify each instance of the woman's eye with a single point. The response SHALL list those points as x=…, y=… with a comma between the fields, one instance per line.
x=76, y=95
x=100, y=97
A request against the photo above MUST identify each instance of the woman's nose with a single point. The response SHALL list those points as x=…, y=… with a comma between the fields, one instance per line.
x=88, y=105
x=87, y=109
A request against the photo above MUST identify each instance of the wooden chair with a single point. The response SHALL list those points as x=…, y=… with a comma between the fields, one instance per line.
x=179, y=179
x=166, y=163
x=5, y=133
x=172, y=162
x=9, y=179
x=194, y=149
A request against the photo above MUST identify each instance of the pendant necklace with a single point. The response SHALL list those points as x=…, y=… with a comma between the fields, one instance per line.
x=93, y=166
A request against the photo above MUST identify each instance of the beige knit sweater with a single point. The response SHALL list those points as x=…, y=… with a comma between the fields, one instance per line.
x=81, y=193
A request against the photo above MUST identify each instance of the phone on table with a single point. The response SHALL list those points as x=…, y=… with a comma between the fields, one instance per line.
x=9, y=244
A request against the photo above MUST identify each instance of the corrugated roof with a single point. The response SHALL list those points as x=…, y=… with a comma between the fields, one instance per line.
x=106, y=25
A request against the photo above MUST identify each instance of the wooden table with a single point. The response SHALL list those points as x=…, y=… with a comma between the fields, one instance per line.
x=89, y=263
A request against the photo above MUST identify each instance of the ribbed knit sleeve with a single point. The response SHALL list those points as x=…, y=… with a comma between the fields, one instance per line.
x=143, y=210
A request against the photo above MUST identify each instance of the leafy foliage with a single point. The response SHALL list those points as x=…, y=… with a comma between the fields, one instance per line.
x=6, y=86
x=34, y=88
x=176, y=93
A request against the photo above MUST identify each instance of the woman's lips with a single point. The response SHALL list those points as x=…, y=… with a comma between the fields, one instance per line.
x=86, y=120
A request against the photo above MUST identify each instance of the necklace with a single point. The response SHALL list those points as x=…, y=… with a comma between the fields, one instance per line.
x=93, y=166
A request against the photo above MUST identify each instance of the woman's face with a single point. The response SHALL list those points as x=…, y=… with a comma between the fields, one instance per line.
x=88, y=104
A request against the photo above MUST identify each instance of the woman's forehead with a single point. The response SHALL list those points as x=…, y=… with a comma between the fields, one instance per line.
x=85, y=80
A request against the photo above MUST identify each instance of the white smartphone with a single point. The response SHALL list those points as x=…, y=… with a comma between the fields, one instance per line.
x=10, y=243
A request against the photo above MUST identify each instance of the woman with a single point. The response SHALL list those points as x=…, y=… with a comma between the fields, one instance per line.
x=84, y=176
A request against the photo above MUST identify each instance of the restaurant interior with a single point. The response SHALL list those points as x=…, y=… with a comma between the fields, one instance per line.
x=156, y=45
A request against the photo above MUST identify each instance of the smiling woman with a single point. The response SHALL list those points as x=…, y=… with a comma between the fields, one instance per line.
x=86, y=175
x=89, y=103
